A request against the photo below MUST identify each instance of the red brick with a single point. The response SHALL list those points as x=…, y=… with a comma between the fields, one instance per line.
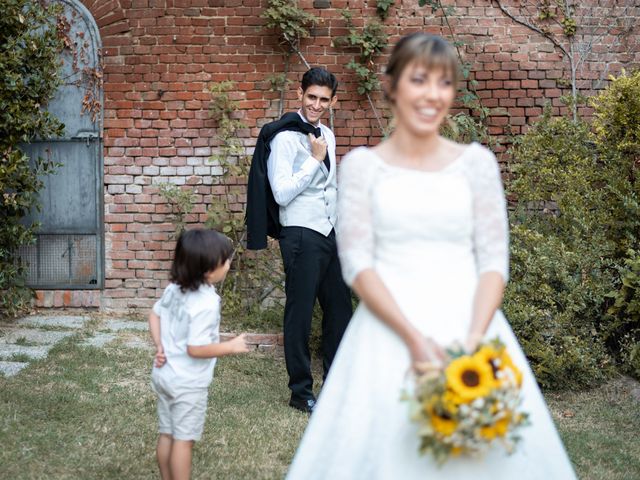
x=160, y=57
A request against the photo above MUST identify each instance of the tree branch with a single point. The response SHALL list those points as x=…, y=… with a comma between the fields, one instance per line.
x=533, y=28
x=375, y=112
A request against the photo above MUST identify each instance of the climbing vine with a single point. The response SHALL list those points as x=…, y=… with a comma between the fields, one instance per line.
x=291, y=24
x=85, y=73
x=181, y=201
x=29, y=77
x=464, y=127
x=369, y=41
x=383, y=8
x=252, y=272
x=569, y=26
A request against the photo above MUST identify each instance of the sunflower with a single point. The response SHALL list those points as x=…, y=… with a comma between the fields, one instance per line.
x=451, y=401
x=469, y=377
x=502, y=426
x=489, y=355
x=488, y=432
x=428, y=403
x=498, y=429
x=445, y=426
x=506, y=362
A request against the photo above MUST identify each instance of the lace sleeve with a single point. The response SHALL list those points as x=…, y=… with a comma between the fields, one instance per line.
x=355, y=230
x=490, y=225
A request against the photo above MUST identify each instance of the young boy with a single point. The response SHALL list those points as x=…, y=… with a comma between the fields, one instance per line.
x=184, y=326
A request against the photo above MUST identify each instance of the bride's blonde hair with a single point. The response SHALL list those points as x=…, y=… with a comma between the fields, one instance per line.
x=430, y=51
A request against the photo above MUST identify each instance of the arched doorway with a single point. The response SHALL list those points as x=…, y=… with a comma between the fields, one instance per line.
x=69, y=248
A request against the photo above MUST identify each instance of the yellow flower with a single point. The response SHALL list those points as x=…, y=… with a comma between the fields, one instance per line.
x=489, y=355
x=507, y=363
x=451, y=401
x=488, y=432
x=498, y=429
x=428, y=403
x=455, y=451
x=469, y=377
x=502, y=425
x=445, y=426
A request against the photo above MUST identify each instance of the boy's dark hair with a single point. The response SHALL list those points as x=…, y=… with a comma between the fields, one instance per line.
x=319, y=76
x=198, y=251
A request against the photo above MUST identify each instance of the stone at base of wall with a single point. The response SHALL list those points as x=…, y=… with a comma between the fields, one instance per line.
x=68, y=298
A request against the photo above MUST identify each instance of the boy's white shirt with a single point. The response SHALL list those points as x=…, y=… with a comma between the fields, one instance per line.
x=190, y=318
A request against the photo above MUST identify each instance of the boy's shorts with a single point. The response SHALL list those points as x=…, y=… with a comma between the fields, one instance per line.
x=181, y=411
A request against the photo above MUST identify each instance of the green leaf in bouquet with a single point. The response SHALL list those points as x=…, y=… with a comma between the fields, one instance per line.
x=455, y=350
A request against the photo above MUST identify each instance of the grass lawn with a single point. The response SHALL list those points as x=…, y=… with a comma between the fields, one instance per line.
x=88, y=413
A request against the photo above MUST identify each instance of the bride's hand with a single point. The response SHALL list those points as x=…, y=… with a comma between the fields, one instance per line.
x=425, y=350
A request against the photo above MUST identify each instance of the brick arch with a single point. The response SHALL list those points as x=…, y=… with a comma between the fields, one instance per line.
x=109, y=15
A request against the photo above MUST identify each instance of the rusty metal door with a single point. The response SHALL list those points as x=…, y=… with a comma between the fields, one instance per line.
x=69, y=248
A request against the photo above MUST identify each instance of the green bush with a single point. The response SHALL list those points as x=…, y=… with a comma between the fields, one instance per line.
x=616, y=128
x=576, y=218
x=553, y=303
x=560, y=274
x=29, y=63
x=622, y=328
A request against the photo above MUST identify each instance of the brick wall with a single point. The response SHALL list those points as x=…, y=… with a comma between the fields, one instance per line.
x=160, y=56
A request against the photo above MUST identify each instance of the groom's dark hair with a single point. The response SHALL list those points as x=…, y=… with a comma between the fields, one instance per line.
x=321, y=77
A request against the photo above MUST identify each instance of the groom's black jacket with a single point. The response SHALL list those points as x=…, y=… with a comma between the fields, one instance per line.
x=262, y=216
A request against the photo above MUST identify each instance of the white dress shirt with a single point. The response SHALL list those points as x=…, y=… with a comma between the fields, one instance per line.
x=303, y=187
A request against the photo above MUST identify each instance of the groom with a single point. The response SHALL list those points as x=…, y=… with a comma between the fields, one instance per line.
x=298, y=205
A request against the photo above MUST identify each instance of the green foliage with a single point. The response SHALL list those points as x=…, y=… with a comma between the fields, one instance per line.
x=622, y=329
x=569, y=26
x=573, y=291
x=383, y=7
x=254, y=276
x=29, y=48
x=182, y=202
x=616, y=126
x=464, y=127
x=559, y=250
x=231, y=156
x=553, y=304
x=291, y=22
x=278, y=81
x=617, y=111
x=369, y=41
x=367, y=80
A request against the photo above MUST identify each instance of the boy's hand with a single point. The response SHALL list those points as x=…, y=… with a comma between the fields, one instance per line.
x=160, y=358
x=238, y=344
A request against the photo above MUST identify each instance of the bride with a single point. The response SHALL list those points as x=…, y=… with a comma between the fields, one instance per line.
x=423, y=241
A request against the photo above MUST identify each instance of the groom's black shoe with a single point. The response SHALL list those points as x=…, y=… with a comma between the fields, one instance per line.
x=303, y=404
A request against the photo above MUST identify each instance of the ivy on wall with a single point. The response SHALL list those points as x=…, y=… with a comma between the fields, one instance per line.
x=30, y=45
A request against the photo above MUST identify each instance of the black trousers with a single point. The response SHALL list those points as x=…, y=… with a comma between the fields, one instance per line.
x=312, y=271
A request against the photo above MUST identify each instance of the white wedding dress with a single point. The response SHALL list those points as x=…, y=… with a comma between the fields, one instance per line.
x=428, y=235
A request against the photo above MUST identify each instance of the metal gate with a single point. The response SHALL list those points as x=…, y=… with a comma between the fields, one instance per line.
x=69, y=248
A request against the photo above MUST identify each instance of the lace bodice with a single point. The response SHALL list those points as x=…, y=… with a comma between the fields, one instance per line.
x=428, y=235
x=386, y=211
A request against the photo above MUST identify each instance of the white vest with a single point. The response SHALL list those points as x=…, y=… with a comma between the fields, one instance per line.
x=315, y=206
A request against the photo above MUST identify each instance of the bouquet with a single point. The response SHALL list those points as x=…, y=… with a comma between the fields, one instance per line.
x=470, y=404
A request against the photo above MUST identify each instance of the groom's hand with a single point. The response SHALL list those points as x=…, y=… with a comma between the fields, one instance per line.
x=318, y=147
